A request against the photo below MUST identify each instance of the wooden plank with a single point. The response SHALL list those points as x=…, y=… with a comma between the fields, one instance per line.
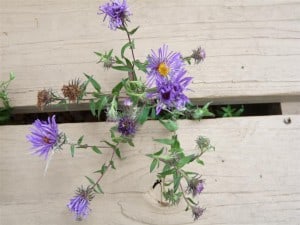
x=290, y=107
x=252, y=46
x=251, y=178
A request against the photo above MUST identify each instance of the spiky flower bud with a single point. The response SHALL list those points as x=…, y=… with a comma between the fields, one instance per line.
x=203, y=144
x=72, y=91
x=197, y=212
x=198, y=55
x=44, y=97
x=108, y=62
x=195, y=186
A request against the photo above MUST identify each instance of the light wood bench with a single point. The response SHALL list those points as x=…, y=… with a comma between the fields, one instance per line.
x=252, y=177
x=252, y=46
x=253, y=56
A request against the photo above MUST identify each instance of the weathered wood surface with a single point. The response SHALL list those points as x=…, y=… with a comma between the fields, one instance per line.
x=290, y=107
x=253, y=47
x=253, y=177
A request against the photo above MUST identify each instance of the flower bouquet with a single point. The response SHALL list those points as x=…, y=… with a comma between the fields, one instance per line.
x=155, y=88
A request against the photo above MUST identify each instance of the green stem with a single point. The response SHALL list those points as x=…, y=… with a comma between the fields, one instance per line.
x=109, y=165
x=131, y=75
x=184, y=197
x=86, y=146
x=90, y=146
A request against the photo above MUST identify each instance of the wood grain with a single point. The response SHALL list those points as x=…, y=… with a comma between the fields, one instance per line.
x=290, y=107
x=252, y=47
x=251, y=178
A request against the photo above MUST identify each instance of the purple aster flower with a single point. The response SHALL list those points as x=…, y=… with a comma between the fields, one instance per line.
x=169, y=92
x=79, y=204
x=117, y=12
x=127, y=125
x=44, y=136
x=197, y=212
x=196, y=186
x=163, y=64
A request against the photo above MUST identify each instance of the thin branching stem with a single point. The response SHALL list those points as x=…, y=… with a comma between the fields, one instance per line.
x=184, y=197
x=131, y=75
x=102, y=174
x=90, y=146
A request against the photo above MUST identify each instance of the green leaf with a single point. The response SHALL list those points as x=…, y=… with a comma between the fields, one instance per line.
x=72, y=150
x=90, y=180
x=123, y=68
x=166, y=157
x=170, y=125
x=239, y=111
x=118, y=60
x=130, y=142
x=120, y=139
x=191, y=173
x=114, y=147
x=11, y=76
x=165, y=141
x=134, y=30
x=166, y=168
x=199, y=161
x=128, y=62
x=127, y=45
x=122, y=28
x=167, y=172
x=112, y=132
x=110, y=144
x=191, y=201
x=112, y=164
x=62, y=102
x=143, y=116
x=95, y=84
x=98, y=54
x=159, y=152
x=176, y=145
x=98, y=189
x=80, y=140
x=153, y=113
x=96, y=149
x=176, y=181
x=100, y=105
x=93, y=107
x=199, y=113
x=168, y=183
x=116, y=90
x=185, y=160
x=153, y=165
x=102, y=170
x=110, y=53
x=150, y=156
x=141, y=66
x=118, y=153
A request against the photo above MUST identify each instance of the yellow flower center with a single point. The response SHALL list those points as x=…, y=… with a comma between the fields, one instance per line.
x=163, y=69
